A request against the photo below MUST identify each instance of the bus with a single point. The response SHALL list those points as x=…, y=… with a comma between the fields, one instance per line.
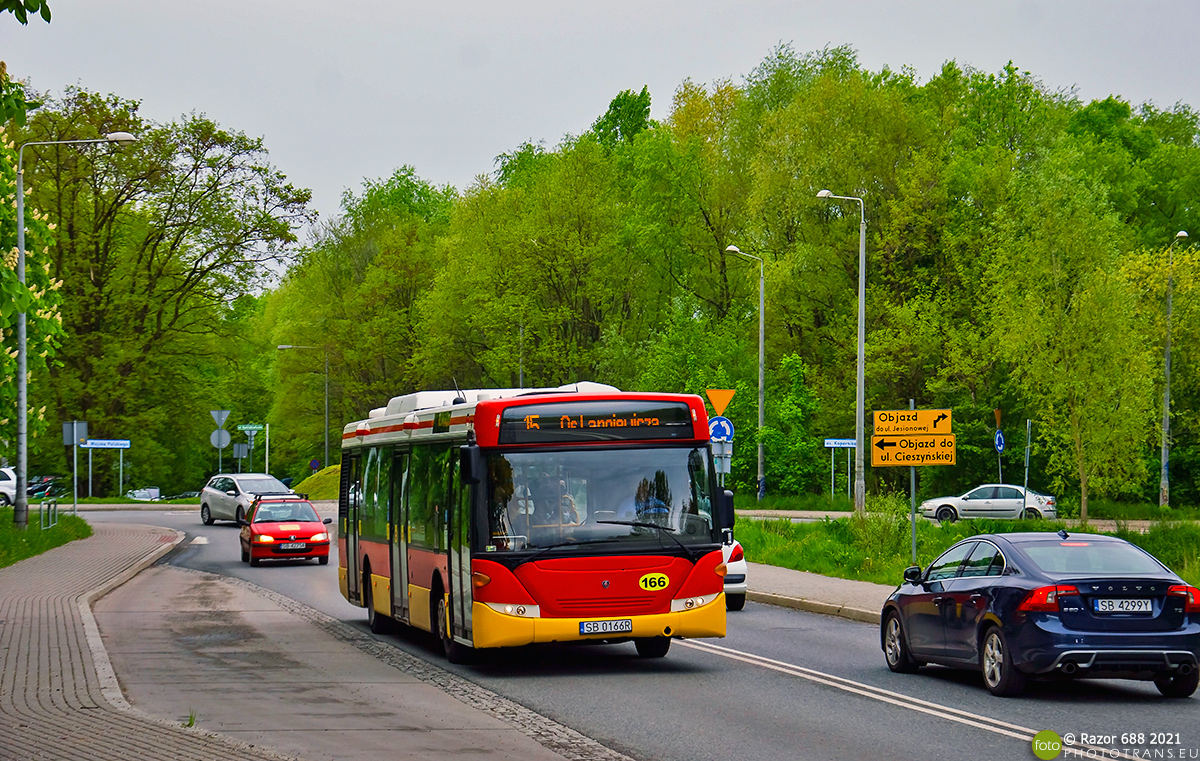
x=505, y=517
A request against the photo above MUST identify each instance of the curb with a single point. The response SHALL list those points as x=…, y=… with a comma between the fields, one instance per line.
x=815, y=606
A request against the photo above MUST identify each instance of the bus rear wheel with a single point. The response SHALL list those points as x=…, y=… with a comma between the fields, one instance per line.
x=652, y=647
x=376, y=621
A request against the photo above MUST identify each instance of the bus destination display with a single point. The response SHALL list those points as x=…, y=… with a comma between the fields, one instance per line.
x=595, y=421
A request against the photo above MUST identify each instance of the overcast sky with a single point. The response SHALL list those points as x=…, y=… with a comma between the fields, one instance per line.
x=348, y=90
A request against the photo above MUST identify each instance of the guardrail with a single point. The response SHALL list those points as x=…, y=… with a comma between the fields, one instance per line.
x=48, y=516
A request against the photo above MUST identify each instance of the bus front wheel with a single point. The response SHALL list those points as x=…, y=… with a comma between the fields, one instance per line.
x=456, y=652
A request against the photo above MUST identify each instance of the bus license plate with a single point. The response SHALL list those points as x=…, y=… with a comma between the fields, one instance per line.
x=292, y=546
x=624, y=625
x=1122, y=606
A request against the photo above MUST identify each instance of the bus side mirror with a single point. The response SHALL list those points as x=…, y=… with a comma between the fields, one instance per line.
x=470, y=469
x=725, y=514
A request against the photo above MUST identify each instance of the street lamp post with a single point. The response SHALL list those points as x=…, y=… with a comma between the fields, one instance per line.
x=860, y=487
x=283, y=347
x=21, y=503
x=1164, y=487
x=762, y=476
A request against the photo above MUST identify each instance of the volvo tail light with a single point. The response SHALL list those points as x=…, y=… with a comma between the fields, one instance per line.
x=1045, y=599
x=1190, y=594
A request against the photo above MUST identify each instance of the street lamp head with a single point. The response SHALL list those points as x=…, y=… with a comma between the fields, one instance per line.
x=121, y=138
x=825, y=194
x=1181, y=235
x=732, y=250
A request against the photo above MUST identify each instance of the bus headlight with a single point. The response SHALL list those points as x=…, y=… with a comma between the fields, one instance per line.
x=691, y=603
x=519, y=610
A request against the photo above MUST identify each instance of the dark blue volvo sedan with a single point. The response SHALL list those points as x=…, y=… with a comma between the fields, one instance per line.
x=1043, y=605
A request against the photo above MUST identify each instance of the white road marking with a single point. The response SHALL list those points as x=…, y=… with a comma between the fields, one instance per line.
x=200, y=540
x=885, y=696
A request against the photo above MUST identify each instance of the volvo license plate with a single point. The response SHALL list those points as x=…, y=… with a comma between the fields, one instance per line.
x=1107, y=605
x=292, y=546
x=620, y=626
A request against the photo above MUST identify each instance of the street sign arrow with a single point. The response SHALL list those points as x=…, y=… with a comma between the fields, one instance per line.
x=884, y=443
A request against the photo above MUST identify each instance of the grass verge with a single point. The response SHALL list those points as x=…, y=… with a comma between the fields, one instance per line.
x=17, y=545
x=877, y=547
x=323, y=484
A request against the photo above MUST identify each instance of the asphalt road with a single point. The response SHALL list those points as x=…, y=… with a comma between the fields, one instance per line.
x=783, y=685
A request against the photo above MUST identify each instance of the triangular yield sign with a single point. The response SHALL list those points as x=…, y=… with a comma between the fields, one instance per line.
x=720, y=398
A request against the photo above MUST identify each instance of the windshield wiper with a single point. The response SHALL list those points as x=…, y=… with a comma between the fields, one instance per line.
x=544, y=550
x=668, y=531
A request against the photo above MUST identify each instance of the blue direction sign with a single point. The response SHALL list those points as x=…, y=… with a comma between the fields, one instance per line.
x=106, y=444
x=720, y=429
x=840, y=443
x=999, y=441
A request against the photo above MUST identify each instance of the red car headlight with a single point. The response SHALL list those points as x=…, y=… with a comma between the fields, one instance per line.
x=263, y=539
x=321, y=537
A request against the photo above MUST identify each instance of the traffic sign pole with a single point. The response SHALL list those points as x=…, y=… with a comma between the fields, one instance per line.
x=912, y=485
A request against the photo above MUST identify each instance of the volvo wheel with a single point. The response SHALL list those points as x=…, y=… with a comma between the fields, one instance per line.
x=206, y=516
x=999, y=674
x=895, y=649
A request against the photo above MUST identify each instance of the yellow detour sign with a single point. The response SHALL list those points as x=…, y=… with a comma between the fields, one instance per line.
x=912, y=450
x=925, y=422
x=720, y=398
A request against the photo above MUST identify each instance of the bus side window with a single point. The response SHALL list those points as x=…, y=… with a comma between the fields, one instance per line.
x=440, y=474
x=351, y=487
x=418, y=499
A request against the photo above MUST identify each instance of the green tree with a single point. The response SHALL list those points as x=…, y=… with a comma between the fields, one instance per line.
x=156, y=242
x=39, y=297
x=1063, y=317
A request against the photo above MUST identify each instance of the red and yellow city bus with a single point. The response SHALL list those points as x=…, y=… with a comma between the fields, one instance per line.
x=505, y=517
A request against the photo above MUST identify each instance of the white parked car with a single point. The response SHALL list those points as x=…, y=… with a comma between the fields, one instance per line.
x=228, y=496
x=735, y=576
x=991, y=501
x=8, y=487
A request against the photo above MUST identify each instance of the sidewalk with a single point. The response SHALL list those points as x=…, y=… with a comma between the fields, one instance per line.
x=58, y=696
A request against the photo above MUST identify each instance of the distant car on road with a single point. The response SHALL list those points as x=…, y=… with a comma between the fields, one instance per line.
x=146, y=494
x=228, y=496
x=735, y=576
x=991, y=501
x=8, y=487
x=44, y=486
x=284, y=529
x=1023, y=606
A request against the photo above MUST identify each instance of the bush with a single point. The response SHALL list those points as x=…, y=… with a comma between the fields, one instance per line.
x=323, y=484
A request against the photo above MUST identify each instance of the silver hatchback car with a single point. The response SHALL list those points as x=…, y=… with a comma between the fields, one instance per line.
x=227, y=496
x=991, y=501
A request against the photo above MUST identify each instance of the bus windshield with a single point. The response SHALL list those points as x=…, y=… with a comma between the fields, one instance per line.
x=638, y=499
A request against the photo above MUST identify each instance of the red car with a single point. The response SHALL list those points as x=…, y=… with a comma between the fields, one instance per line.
x=284, y=529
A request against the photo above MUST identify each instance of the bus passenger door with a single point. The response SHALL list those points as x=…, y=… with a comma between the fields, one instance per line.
x=460, y=554
x=351, y=498
x=399, y=531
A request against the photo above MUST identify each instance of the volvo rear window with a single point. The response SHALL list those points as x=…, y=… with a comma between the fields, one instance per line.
x=1080, y=557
